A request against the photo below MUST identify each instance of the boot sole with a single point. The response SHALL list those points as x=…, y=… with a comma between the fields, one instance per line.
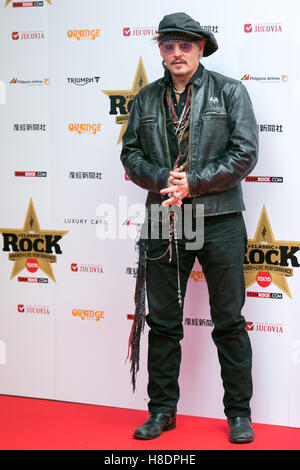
x=242, y=441
x=246, y=440
x=147, y=438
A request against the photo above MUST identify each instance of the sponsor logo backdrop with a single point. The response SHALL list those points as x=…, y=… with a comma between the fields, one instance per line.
x=70, y=216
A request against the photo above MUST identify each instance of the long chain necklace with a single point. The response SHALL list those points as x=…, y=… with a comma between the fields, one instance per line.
x=181, y=124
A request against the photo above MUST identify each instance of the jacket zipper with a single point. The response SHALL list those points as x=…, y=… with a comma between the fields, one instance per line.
x=165, y=129
x=219, y=113
x=190, y=148
x=148, y=119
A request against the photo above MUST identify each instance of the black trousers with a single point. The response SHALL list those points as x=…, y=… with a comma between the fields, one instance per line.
x=221, y=257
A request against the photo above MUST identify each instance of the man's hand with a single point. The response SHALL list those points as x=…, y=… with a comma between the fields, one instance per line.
x=177, y=189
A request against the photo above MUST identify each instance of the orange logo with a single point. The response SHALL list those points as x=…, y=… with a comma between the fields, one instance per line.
x=85, y=314
x=85, y=128
x=83, y=34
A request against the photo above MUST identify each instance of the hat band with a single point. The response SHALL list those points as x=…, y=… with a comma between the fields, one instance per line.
x=174, y=36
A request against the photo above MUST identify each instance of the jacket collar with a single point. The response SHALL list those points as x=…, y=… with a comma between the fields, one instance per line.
x=196, y=79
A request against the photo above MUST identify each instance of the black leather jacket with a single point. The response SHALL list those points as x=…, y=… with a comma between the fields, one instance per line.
x=223, y=142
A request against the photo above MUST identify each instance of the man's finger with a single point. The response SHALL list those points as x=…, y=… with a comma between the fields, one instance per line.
x=171, y=201
x=177, y=175
x=171, y=189
x=180, y=168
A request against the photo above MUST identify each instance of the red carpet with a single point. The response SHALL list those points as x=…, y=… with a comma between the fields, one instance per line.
x=32, y=424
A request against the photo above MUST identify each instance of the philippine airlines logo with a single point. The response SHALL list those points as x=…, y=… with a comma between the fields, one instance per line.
x=269, y=261
x=31, y=247
x=17, y=81
x=265, y=78
x=263, y=28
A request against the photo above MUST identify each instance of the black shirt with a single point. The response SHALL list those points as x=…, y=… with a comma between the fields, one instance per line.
x=172, y=139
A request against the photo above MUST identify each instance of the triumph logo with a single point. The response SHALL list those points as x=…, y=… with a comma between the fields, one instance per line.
x=82, y=81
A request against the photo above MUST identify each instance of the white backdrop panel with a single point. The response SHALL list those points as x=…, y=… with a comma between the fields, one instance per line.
x=77, y=350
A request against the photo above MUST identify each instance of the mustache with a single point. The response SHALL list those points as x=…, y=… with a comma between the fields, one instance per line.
x=178, y=61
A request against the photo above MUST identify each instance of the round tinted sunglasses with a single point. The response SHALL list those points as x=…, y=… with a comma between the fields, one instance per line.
x=169, y=47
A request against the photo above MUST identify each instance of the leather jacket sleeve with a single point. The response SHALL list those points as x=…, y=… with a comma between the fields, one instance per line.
x=240, y=157
x=138, y=168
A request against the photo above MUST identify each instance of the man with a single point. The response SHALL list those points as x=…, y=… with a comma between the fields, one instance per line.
x=191, y=139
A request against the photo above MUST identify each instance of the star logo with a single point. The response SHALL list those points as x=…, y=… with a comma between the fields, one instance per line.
x=121, y=100
x=275, y=258
x=7, y=2
x=32, y=242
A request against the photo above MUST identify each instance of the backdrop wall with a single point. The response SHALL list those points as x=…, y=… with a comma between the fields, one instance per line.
x=69, y=217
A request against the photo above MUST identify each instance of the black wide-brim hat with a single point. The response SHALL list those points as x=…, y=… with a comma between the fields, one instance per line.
x=183, y=23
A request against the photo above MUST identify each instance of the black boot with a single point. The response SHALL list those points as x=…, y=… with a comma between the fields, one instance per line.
x=155, y=425
x=241, y=431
